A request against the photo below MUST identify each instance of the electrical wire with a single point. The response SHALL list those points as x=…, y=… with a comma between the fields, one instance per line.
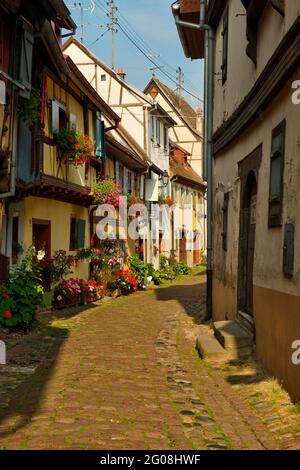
x=134, y=38
x=98, y=39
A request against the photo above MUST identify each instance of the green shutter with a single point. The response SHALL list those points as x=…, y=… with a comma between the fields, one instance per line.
x=80, y=232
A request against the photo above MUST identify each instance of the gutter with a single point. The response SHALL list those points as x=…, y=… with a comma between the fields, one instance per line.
x=208, y=114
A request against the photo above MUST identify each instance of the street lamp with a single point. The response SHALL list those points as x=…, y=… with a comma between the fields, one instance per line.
x=165, y=178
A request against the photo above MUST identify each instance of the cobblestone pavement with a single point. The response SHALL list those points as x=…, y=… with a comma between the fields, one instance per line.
x=125, y=375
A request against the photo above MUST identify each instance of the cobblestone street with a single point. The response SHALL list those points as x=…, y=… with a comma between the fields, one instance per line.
x=125, y=375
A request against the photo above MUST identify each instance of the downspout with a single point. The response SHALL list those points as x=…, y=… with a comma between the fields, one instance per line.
x=208, y=110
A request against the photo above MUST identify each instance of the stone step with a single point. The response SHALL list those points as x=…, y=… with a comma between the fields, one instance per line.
x=234, y=338
x=210, y=349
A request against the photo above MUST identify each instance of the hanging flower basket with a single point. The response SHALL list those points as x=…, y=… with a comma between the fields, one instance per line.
x=76, y=147
x=166, y=200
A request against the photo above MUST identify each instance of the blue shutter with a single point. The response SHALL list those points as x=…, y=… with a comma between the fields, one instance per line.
x=132, y=183
x=80, y=232
x=117, y=172
x=142, y=181
x=157, y=131
x=24, y=57
x=98, y=132
x=167, y=138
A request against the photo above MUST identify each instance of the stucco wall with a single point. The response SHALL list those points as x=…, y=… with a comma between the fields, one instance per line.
x=242, y=72
x=59, y=213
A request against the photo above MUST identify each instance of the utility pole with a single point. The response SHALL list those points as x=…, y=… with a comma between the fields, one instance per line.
x=180, y=83
x=112, y=26
x=82, y=10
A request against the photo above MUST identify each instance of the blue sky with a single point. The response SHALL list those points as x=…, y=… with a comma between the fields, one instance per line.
x=153, y=21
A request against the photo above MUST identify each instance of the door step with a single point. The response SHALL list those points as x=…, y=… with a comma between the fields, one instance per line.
x=210, y=349
x=237, y=341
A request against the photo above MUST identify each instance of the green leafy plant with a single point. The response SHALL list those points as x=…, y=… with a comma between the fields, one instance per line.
x=23, y=293
x=30, y=109
x=61, y=266
x=107, y=191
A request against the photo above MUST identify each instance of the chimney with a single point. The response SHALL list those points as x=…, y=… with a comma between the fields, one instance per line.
x=121, y=74
x=199, y=120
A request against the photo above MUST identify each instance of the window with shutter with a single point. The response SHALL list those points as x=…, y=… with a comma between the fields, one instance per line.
x=80, y=233
x=225, y=47
x=225, y=221
x=276, y=175
x=99, y=136
x=24, y=56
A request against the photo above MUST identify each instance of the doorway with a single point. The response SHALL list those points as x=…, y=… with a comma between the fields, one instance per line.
x=41, y=239
x=248, y=170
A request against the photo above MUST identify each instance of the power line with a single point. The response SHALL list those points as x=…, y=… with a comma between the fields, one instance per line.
x=142, y=46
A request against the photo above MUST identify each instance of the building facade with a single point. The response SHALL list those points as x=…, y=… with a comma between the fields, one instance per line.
x=256, y=198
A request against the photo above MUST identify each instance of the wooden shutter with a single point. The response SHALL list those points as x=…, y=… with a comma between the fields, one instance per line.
x=276, y=175
x=24, y=56
x=225, y=47
x=289, y=249
x=54, y=117
x=103, y=146
x=80, y=233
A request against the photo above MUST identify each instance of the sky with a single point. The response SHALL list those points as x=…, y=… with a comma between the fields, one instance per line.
x=153, y=21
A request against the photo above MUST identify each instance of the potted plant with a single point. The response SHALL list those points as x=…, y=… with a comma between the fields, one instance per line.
x=76, y=147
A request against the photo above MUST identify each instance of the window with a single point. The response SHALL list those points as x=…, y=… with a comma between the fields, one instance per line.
x=225, y=221
x=77, y=233
x=276, y=175
x=59, y=118
x=103, y=78
x=15, y=239
x=224, y=66
x=152, y=127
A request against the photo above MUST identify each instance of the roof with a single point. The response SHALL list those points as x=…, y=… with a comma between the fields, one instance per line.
x=89, y=90
x=192, y=40
x=186, y=175
x=185, y=112
x=125, y=154
x=111, y=72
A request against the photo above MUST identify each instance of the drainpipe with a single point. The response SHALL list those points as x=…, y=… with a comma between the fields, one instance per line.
x=208, y=110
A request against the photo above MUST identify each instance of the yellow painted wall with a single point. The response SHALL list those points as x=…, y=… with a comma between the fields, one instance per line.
x=59, y=213
x=51, y=165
